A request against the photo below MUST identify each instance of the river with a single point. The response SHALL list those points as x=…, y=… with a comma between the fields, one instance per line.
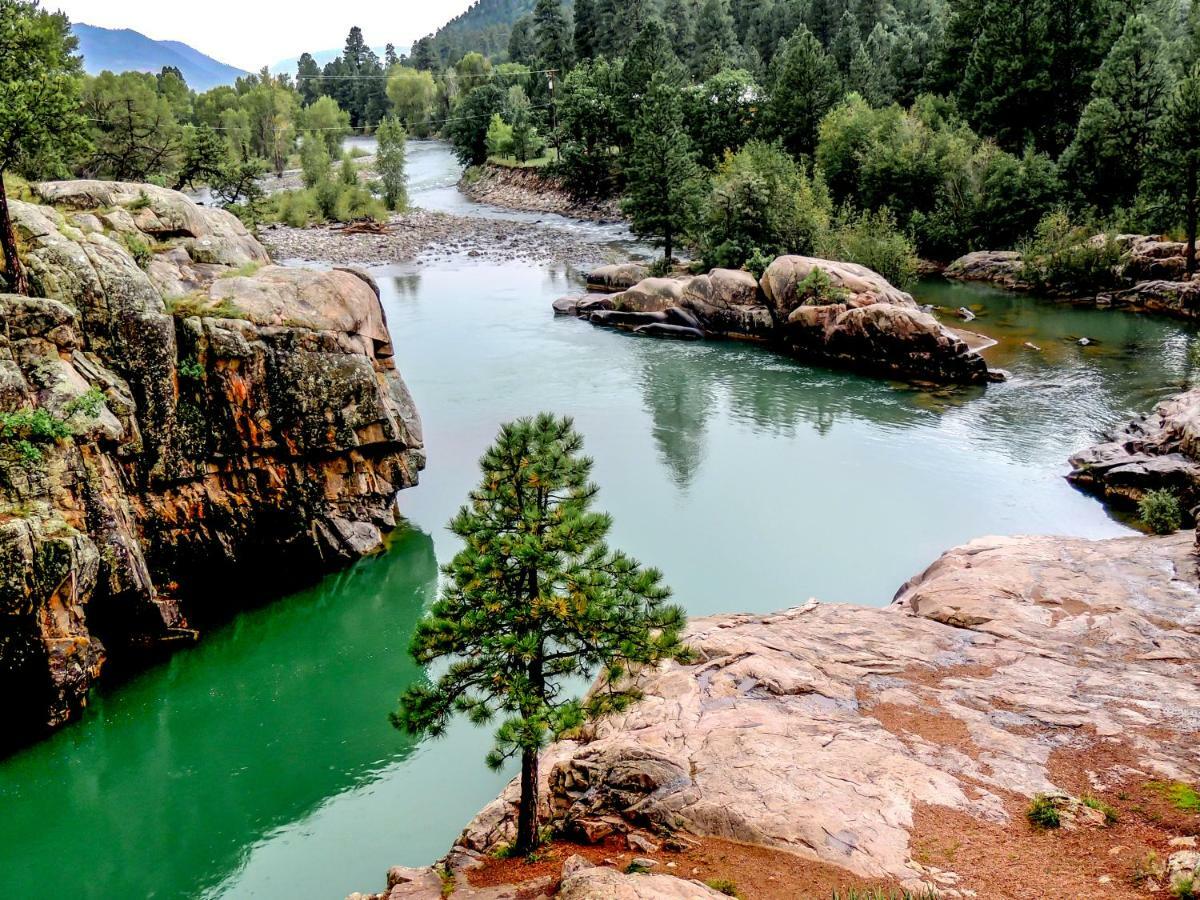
x=260, y=763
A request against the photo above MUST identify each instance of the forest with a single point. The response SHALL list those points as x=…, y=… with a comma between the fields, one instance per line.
x=737, y=129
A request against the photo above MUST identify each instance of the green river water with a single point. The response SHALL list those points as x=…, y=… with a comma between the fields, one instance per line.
x=260, y=763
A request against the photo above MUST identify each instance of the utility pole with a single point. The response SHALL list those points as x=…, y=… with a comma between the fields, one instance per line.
x=554, y=114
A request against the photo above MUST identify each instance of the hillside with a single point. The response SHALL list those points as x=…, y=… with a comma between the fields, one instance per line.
x=484, y=27
x=120, y=50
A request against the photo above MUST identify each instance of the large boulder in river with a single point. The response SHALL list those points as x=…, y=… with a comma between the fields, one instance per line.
x=1156, y=451
x=728, y=302
x=217, y=423
x=651, y=295
x=861, y=285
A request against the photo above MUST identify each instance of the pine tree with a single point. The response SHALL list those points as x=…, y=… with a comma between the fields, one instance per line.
x=846, y=42
x=204, y=154
x=663, y=179
x=1173, y=182
x=308, y=78
x=535, y=600
x=680, y=18
x=806, y=86
x=585, y=30
x=552, y=37
x=39, y=104
x=1110, y=152
x=716, y=42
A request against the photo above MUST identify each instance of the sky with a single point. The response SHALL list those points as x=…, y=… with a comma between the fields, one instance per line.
x=250, y=34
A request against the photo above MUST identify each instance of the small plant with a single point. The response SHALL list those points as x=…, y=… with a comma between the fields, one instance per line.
x=1042, y=813
x=1184, y=888
x=88, y=403
x=1110, y=814
x=25, y=429
x=447, y=878
x=880, y=894
x=636, y=868
x=243, y=271
x=191, y=368
x=818, y=289
x=660, y=267
x=1159, y=511
x=723, y=886
x=138, y=249
x=1148, y=867
x=758, y=262
x=1182, y=796
x=140, y=202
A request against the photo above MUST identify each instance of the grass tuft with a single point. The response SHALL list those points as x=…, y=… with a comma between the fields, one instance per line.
x=1042, y=813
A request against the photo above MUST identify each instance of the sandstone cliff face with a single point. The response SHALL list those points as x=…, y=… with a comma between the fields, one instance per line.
x=178, y=410
x=866, y=324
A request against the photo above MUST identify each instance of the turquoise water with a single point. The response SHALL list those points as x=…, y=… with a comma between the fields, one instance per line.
x=261, y=764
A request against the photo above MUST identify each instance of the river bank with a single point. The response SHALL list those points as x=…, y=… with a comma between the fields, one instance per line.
x=430, y=235
x=532, y=190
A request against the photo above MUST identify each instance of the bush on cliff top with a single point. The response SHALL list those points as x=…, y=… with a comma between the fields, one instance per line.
x=1065, y=258
x=872, y=239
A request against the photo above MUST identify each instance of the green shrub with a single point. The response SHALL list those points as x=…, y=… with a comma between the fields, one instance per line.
x=139, y=203
x=1159, y=511
x=348, y=174
x=872, y=239
x=1182, y=796
x=1110, y=814
x=723, y=886
x=314, y=159
x=1068, y=259
x=761, y=202
x=22, y=431
x=1042, y=813
x=758, y=263
x=1184, y=888
x=818, y=289
x=138, y=249
x=499, y=138
x=191, y=368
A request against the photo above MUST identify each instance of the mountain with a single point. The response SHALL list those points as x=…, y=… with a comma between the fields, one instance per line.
x=288, y=66
x=122, y=49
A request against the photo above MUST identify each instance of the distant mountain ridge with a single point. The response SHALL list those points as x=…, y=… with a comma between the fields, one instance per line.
x=123, y=50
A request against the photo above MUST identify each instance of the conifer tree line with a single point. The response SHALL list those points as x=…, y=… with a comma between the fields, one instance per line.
x=962, y=123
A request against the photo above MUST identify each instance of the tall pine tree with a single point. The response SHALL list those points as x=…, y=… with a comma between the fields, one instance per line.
x=663, y=179
x=534, y=601
x=805, y=86
x=551, y=35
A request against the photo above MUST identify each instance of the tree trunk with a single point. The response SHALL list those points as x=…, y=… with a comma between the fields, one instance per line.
x=527, y=813
x=17, y=280
x=1190, y=214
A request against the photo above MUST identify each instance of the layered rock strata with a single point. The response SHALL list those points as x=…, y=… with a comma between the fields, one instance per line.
x=857, y=320
x=178, y=415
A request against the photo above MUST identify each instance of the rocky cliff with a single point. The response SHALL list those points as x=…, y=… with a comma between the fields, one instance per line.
x=829, y=312
x=177, y=415
x=905, y=744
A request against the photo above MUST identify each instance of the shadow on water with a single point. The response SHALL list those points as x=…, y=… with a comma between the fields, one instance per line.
x=189, y=764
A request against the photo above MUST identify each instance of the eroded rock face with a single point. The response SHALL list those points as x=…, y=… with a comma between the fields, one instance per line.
x=1160, y=450
x=873, y=327
x=820, y=730
x=999, y=267
x=213, y=417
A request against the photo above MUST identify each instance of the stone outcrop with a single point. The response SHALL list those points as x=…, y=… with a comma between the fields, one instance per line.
x=824, y=730
x=999, y=267
x=180, y=415
x=860, y=321
x=1156, y=451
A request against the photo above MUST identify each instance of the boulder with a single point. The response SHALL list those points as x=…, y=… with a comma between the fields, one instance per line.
x=599, y=883
x=728, y=302
x=999, y=267
x=651, y=295
x=1156, y=451
x=618, y=277
x=1175, y=298
x=254, y=425
x=863, y=286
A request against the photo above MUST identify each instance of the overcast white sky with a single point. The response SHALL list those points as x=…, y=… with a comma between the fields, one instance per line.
x=253, y=33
